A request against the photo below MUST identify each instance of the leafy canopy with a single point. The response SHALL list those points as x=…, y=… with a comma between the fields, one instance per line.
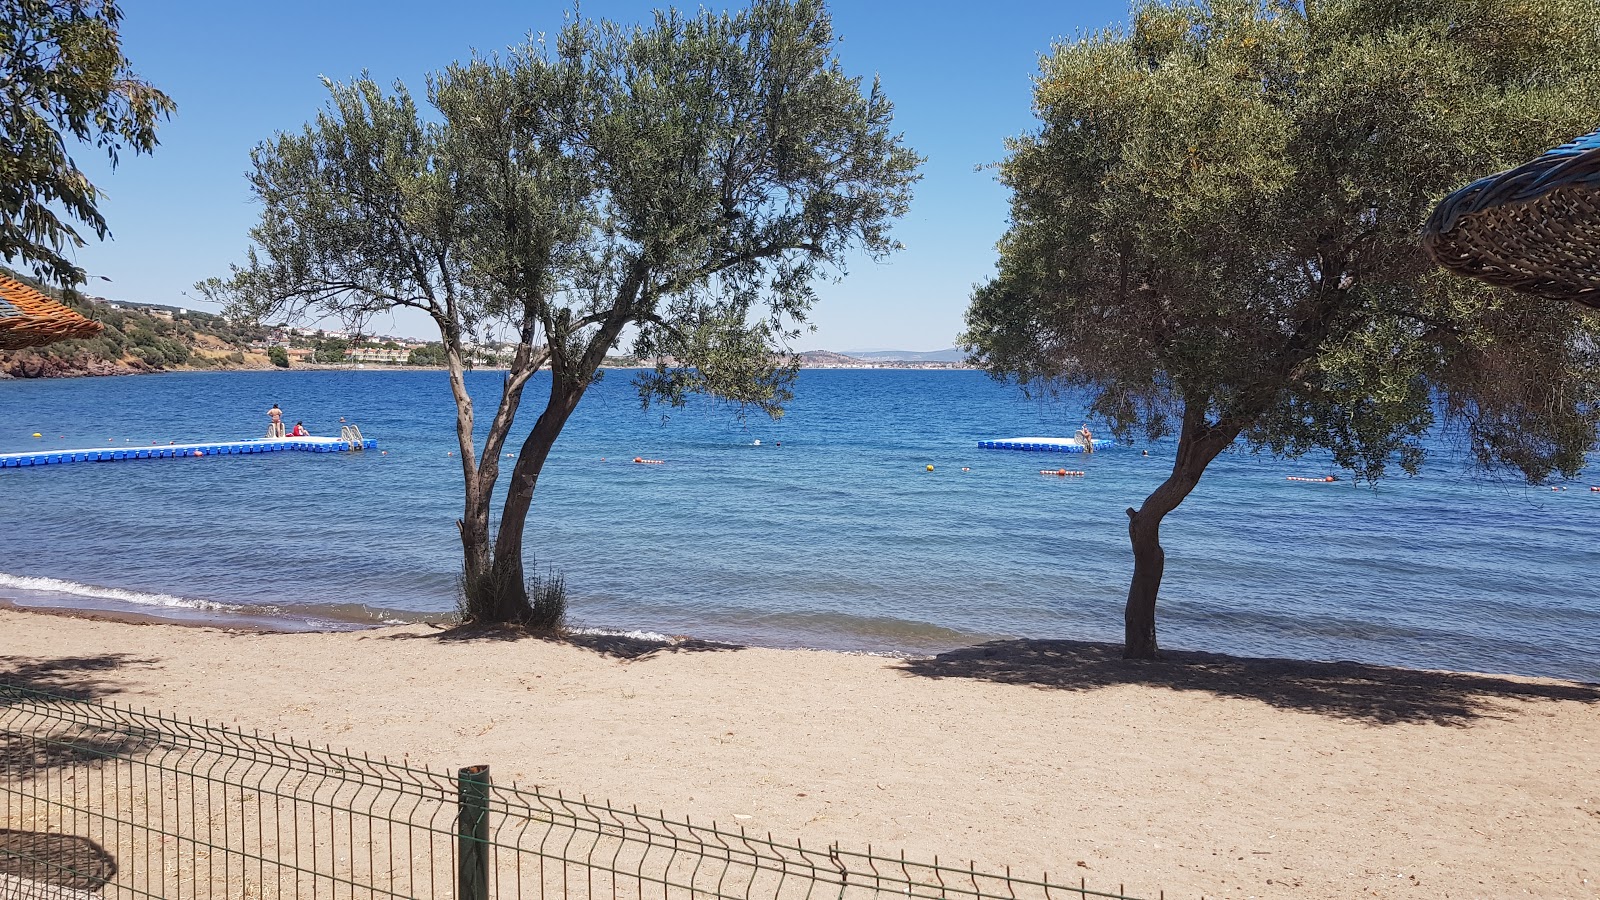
x=63, y=75
x=1219, y=216
x=687, y=180
x=684, y=182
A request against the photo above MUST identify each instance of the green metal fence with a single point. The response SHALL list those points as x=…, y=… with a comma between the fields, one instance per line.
x=101, y=800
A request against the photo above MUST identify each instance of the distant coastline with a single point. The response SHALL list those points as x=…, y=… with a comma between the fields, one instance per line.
x=149, y=338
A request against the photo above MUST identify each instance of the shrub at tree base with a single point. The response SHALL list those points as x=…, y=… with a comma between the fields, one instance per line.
x=538, y=604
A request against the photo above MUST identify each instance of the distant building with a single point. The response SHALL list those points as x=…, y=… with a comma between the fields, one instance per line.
x=373, y=355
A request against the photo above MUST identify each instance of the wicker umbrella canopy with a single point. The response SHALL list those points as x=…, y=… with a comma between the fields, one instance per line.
x=29, y=318
x=1535, y=228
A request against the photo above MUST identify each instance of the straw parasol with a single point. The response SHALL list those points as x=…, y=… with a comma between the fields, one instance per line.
x=30, y=319
x=1535, y=228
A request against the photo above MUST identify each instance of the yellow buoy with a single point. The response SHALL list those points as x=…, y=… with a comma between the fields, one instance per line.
x=37, y=434
x=930, y=467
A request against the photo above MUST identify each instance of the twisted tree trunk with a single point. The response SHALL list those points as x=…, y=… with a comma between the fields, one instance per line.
x=1198, y=444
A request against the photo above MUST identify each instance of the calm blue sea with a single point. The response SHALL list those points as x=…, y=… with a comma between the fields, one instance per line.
x=837, y=539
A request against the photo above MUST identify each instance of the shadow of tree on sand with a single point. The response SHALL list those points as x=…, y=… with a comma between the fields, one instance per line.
x=34, y=738
x=54, y=865
x=71, y=677
x=616, y=646
x=1380, y=695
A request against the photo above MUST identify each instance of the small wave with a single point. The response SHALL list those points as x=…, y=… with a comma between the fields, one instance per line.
x=654, y=636
x=77, y=589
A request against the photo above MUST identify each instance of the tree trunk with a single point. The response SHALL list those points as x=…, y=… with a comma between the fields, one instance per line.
x=508, y=564
x=476, y=558
x=1139, y=617
x=478, y=476
x=1198, y=444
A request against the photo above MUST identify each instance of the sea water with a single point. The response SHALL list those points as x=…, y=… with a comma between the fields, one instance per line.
x=829, y=533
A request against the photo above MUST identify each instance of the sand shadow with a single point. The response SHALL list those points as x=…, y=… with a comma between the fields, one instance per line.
x=39, y=728
x=616, y=646
x=1380, y=695
x=64, y=862
x=68, y=677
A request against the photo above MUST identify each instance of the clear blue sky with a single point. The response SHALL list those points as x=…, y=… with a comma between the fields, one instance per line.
x=959, y=76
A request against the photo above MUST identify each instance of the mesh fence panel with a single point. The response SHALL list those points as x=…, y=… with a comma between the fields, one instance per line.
x=100, y=800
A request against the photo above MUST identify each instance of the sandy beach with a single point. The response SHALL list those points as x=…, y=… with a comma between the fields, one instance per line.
x=1196, y=776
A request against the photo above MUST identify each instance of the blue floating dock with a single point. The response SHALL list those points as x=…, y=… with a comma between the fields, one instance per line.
x=183, y=451
x=1048, y=444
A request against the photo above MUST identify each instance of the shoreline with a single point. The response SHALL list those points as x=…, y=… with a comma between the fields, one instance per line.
x=379, y=367
x=230, y=622
x=1200, y=775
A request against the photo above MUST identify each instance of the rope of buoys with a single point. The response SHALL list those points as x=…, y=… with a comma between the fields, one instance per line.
x=1063, y=473
x=1323, y=480
x=648, y=462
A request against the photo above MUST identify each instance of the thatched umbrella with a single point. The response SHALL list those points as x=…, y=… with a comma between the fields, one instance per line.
x=29, y=318
x=1535, y=228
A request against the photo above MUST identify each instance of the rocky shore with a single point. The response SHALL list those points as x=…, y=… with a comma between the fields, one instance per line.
x=31, y=365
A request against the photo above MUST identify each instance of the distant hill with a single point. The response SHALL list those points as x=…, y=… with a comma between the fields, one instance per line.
x=951, y=354
x=827, y=358
x=936, y=359
x=137, y=337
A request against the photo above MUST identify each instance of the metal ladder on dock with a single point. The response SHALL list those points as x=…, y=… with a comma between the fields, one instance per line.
x=351, y=435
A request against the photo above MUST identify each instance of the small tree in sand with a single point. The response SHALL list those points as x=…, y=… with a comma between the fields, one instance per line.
x=687, y=181
x=1215, y=231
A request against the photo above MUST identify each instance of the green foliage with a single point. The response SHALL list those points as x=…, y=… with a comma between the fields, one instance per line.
x=62, y=74
x=1219, y=215
x=426, y=355
x=278, y=356
x=687, y=181
x=330, y=350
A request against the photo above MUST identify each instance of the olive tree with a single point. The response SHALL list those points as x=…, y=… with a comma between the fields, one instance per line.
x=681, y=184
x=63, y=75
x=1215, y=232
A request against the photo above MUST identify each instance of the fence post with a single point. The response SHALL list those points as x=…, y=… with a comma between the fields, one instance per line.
x=472, y=833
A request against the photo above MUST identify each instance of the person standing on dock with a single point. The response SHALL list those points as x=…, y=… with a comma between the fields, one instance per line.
x=274, y=422
x=1086, y=438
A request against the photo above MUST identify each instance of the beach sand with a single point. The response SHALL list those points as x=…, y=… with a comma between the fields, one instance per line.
x=1197, y=776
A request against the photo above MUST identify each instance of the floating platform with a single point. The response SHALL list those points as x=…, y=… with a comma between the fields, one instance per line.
x=184, y=451
x=1048, y=444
